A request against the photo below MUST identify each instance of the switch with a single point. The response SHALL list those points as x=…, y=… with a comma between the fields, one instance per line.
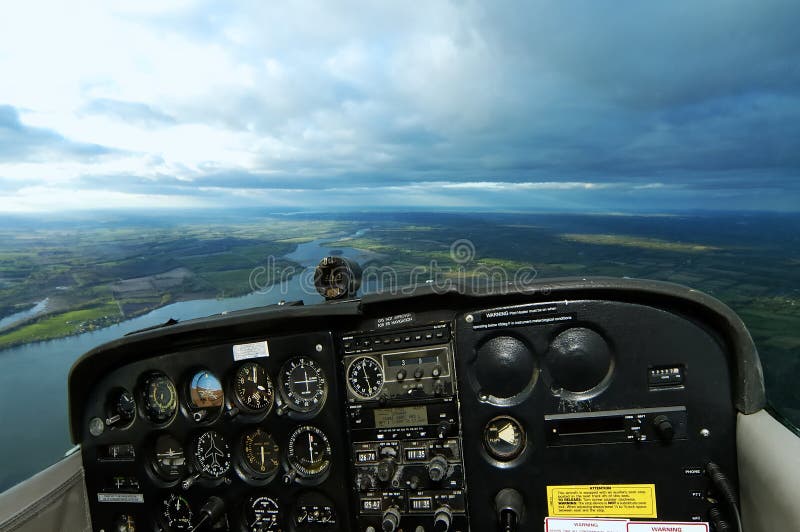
x=510, y=509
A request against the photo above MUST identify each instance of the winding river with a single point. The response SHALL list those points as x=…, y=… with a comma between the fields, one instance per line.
x=33, y=377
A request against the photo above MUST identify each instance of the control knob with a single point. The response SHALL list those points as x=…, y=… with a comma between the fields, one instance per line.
x=386, y=469
x=510, y=509
x=664, y=427
x=391, y=519
x=442, y=519
x=437, y=468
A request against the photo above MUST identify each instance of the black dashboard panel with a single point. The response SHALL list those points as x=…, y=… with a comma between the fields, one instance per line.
x=441, y=410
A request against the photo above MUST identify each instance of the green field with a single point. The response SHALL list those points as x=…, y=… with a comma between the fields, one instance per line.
x=95, y=276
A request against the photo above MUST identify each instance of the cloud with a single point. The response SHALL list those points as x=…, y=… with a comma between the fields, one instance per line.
x=19, y=142
x=466, y=102
x=132, y=112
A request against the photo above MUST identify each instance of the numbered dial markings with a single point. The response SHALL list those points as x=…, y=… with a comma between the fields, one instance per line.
x=212, y=454
x=160, y=398
x=169, y=461
x=262, y=514
x=176, y=514
x=253, y=388
x=303, y=385
x=309, y=452
x=365, y=377
x=260, y=454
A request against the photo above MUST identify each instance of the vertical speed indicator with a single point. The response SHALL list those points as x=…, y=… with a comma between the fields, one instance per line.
x=365, y=377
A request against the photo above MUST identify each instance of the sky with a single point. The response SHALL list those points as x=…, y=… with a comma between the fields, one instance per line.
x=459, y=105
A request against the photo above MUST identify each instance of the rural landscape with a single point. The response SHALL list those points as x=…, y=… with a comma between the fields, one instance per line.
x=68, y=277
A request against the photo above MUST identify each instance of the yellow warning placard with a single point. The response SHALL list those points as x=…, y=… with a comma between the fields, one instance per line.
x=602, y=500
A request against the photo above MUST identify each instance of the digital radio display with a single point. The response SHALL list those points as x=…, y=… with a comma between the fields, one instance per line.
x=408, y=416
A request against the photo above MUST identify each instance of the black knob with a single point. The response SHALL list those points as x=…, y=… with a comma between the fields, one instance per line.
x=442, y=519
x=443, y=429
x=391, y=519
x=418, y=373
x=386, y=469
x=437, y=468
x=124, y=523
x=510, y=509
x=664, y=427
x=401, y=374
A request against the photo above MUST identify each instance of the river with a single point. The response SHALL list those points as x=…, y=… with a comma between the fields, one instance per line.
x=33, y=377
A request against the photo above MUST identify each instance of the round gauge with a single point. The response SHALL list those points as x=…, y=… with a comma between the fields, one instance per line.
x=504, y=438
x=176, y=514
x=205, y=395
x=212, y=454
x=262, y=514
x=160, y=398
x=309, y=452
x=121, y=408
x=169, y=461
x=365, y=377
x=260, y=454
x=253, y=388
x=303, y=385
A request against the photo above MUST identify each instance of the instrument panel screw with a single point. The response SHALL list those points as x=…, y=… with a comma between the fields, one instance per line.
x=469, y=318
x=319, y=348
x=705, y=433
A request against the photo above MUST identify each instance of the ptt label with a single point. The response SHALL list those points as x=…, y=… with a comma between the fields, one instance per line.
x=247, y=351
x=667, y=527
x=602, y=500
x=561, y=524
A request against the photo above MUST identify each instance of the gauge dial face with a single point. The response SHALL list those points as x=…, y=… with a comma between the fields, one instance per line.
x=212, y=454
x=253, y=388
x=205, y=392
x=303, y=385
x=160, y=398
x=260, y=454
x=176, y=513
x=309, y=452
x=125, y=405
x=365, y=377
x=262, y=514
x=169, y=460
x=504, y=438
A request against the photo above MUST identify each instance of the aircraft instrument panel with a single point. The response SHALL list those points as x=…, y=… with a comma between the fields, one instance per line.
x=456, y=411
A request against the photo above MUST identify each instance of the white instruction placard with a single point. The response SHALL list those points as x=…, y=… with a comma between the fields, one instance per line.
x=667, y=527
x=253, y=350
x=562, y=524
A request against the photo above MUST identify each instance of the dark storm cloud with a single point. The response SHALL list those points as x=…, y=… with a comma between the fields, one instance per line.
x=19, y=142
x=530, y=91
x=671, y=104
